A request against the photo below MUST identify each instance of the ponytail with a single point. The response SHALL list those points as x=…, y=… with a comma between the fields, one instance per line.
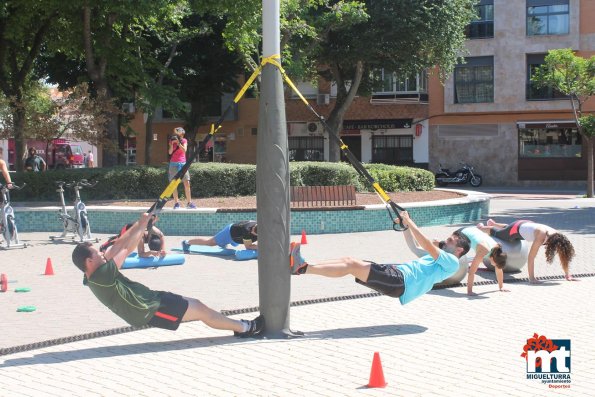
x=498, y=256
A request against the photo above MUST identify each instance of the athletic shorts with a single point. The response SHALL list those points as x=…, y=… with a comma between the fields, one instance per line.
x=224, y=237
x=386, y=279
x=510, y=233
x=173, y=170
x=170, y=312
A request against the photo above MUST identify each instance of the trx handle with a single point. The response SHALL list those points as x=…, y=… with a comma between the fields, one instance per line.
x=397, y=225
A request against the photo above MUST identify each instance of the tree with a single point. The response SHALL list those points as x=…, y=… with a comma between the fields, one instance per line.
x=103, y=39
x=35, y=99
x=158, y=46
x=346, y=42
x=356, y=39
x=24, y=28
x=573, y=76
x=205, y=69
x=77, y=114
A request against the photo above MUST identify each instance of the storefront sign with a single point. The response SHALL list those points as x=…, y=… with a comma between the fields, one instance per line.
x=377, y=124
x=546, y=124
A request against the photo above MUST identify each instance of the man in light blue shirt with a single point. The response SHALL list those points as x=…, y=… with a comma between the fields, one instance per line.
x=406, y=281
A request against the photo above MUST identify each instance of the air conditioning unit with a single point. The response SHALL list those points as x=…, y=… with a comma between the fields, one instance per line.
x=323, y=99
x=313, y=127
x=128, y=107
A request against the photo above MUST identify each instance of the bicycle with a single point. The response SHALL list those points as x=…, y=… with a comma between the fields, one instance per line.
x=8, y=226
x=76, y=226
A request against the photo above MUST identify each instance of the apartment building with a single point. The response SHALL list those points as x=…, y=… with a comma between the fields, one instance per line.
x=489, y=114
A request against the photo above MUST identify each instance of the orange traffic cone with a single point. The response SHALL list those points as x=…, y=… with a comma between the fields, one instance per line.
x=3, y=283
x=49, y=270
x=376, y=374
x=304, y=240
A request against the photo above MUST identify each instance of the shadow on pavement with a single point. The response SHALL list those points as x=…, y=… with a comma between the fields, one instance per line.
x=449, y=293
x=366, y=332
x=119, y=350
x=156, y=347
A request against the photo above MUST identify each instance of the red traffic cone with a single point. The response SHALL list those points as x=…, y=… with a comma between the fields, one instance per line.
x=3, y=283
x=49, y=270
x=304, y=240
x=376, y=374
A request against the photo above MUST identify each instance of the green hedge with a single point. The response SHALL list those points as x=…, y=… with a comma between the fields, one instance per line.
x=213, y=179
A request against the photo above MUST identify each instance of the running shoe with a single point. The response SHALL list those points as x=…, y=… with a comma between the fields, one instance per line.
x=186, y=246
x=256, y=326
x=191, y=206
x=176, y=206
x=296, y=261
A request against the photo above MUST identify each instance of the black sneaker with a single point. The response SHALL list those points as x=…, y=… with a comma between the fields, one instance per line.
x=256, y=327
x=186, y=246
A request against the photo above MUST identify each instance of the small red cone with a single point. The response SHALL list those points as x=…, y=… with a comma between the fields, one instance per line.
x=376, y=374
x=304, y=240
x=3, y=283
x=49, y=270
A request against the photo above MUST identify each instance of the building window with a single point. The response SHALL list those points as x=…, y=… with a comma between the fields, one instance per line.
x=306, y=148
x=535, y=93
x=393, y=83
x=483, y=26
x=395, y=88
x=547, y=17
x=546, y=142
x=474, y=80
x=392, y=149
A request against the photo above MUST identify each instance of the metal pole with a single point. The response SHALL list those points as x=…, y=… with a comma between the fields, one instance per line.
x=272, y=186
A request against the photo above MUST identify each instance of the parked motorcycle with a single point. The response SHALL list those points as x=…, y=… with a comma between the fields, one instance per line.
x=461, y=176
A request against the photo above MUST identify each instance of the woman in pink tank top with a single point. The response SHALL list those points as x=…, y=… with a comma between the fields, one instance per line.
x=177, y=147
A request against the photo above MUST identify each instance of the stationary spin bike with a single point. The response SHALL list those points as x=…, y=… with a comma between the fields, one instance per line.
x=8, y=226
x=77, y=226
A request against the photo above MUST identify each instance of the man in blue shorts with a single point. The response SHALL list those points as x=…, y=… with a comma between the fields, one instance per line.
x=244, y=232
x=138, y=305
x=406, y=281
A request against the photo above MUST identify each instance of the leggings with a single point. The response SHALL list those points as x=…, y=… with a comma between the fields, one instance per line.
x=509, y=233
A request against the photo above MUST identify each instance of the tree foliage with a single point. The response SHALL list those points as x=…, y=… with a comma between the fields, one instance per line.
x=573, y=76
x=76, y=115
x=347, y=41
x=25, y=27
x=205, y=69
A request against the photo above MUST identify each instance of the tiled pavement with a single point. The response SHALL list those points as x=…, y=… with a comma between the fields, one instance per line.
x=441, y=344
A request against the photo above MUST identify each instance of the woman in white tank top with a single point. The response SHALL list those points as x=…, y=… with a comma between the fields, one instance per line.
x=538, y=234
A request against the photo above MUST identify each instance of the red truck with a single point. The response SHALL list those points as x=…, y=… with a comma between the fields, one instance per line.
x=60, y=154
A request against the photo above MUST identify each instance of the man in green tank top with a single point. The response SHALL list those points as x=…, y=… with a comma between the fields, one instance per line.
x=137, y=304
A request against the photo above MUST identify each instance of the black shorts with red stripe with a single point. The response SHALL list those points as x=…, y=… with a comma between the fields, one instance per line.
x=170, y=312
x=509, y=233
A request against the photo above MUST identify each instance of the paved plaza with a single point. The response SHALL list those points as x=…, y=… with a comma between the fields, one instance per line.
x=442, y=344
